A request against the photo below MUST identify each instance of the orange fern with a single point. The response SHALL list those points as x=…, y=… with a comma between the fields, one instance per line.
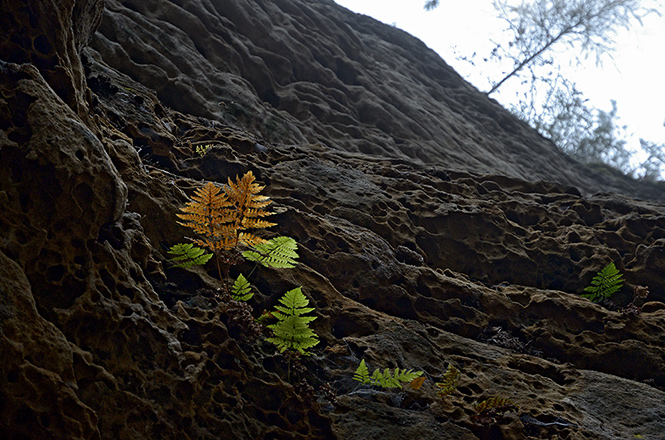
x=249, y=209
x=209, y=214
x=221, y=218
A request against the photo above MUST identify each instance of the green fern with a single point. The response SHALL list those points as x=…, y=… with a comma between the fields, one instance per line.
x=605, y=284
x=241, y=290
x=362, y=374
x=201, y=150
x=291, y=331
x=385, y=378
x=279, y=253
x=187, y=255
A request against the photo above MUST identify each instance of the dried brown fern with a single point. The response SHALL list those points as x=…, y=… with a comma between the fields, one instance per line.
x=208, y=214
x=249, y=207
x=221, y=219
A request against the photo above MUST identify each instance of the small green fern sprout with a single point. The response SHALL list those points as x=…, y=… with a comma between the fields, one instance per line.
x=450, y=381
x=241, y=289
x=605, y=284
x=278, y=253
x=201, y=150
x=384, y=379
x=291, y=331
x=187, y=255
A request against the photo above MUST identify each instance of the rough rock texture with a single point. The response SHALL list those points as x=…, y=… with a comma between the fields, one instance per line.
x=408, y=261
x=291, y=71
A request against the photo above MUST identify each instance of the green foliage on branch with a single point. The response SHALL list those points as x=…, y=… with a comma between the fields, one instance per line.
x=431, y=4
x=540, y=39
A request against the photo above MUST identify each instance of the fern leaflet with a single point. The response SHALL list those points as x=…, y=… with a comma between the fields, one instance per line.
x=279, y=252
x=385, y=378
x=187, y=255
x=250, y=206
x=241, y=290
x=606, y=283
x=291, y=331
x=210, y=215
x=406, y=375
x=450, y=381
x=362, y=373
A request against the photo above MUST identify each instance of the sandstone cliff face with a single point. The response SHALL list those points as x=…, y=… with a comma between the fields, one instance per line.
x=424, y=238
x=294, y=71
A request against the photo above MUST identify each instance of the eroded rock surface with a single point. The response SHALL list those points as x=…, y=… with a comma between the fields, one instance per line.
x=409, y=262
x=289, y=71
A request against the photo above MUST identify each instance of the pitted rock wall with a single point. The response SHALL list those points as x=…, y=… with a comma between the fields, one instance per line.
x=407, y=265
x=293, y=71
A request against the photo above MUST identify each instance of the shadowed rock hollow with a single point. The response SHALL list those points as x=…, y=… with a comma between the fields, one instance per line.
x=433, y=228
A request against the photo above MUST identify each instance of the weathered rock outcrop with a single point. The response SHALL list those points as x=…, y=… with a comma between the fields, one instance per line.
x=291, y=71
x=413, y=253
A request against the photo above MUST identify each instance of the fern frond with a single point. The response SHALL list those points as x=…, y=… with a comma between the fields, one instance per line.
x=496, y=403
x=279, y=252
x=221, y=218
x=244, y=193
x=187, y=255
x=241, y=290
x=362, y=373
x=214, y=245
x=292, y=332
x=249, y=239
x=201, y=150
x=406, y=375
x=208, y=200
x=606, y=283
x=209, y=213
x=385, y=378
x=294, y=302
x=450, y=381
x=252, y=223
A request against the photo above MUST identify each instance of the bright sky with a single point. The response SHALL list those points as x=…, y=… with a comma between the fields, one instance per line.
x=635, y=78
